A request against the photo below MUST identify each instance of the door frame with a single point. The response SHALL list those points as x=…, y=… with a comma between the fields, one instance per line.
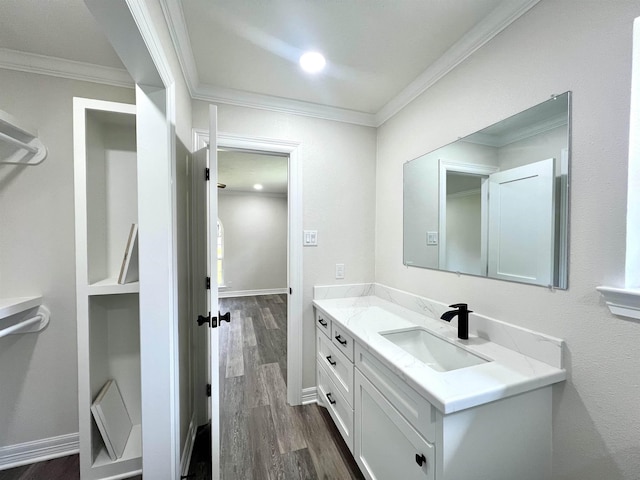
x=294, y=242
x=444, y=167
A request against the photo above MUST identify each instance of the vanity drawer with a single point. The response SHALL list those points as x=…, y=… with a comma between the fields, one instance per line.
x=342, y=340
x=323, y=323
x=337, y=366
x=339, y=409
x=413, y=406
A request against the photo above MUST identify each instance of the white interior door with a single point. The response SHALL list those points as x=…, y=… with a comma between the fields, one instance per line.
x=212, y=266
x=521, y=223
x=205, y=287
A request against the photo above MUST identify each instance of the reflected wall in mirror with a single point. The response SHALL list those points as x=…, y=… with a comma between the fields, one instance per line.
x=495, y=203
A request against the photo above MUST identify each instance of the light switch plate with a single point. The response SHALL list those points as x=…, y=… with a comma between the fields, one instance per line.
x=432, y=238
x=339, y=270
x=310, y=238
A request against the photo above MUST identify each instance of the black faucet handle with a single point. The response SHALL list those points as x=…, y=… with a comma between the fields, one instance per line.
x=461, y=306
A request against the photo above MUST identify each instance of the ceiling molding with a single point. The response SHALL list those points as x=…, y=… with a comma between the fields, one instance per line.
x=499, y=141
x=240, y=98
x=505, y=14
x=62, y=68
x=174, y=16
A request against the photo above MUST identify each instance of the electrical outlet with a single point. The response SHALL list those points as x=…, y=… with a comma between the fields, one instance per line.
x=339, y=270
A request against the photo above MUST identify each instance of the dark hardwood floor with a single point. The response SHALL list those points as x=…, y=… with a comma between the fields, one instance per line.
x=262, y=438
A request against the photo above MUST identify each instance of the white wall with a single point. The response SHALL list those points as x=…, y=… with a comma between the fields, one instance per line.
x=255, y=240
x=38, y=372
x=557, y=46
x=338, y=168
x=464, y=233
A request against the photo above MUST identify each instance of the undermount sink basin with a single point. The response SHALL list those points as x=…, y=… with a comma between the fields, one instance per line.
x=433, y=351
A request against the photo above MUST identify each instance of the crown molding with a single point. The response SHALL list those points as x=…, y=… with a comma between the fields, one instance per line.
x=62, y=68
x=500, y=141
x=240, y=98
x=499, y=19
x=174, y=16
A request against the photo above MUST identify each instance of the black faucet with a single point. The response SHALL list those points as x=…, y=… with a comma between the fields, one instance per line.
x=463, y=318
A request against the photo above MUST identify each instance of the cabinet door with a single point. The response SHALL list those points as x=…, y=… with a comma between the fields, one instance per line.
x=386, y=446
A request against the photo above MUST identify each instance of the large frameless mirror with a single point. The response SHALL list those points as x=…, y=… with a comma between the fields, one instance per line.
x=495, y=203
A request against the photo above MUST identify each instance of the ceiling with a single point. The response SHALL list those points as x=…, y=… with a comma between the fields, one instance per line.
x=240, y=171
x=381, y=53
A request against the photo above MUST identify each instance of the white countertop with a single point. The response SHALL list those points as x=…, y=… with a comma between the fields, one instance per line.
x=508, y=373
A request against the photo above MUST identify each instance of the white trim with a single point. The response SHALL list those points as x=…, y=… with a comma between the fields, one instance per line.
x=155, y=50
x=309, y=395
x=190, y=441
x=623, y=302
x=294, y=260
x=252, y=192
x=39, y=450
x=465, y=193
x=229, y=96
x=251, y=293
x=173, y=14
x=62, y=68
x=503, y=16
x=499, y=141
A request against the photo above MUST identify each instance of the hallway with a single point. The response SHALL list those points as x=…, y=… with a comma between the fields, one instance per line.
x=262, y=437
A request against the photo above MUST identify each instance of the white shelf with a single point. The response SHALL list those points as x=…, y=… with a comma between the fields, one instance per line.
x=110, y=286
x=12, y=306
x=624, y=302
x=132, y=451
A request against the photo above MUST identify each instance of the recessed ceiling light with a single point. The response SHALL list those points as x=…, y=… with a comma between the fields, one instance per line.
x=312, y=62
x=257, y=186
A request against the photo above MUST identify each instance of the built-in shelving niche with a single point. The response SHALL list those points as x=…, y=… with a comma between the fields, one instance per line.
x=108, y=312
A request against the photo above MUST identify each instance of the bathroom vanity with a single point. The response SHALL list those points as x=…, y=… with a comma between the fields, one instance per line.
x=412, y=401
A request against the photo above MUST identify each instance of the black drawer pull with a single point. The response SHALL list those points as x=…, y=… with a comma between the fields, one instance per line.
x=332, y=401
x=322, y=322
x=420, y=459
x=340, y=340
x=333, y=364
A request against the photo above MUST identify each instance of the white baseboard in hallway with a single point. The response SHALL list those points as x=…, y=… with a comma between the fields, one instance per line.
x=251, y=293
x=38, y=450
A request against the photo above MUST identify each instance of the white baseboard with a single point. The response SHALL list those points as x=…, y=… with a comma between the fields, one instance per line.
x=185, y=461
x=309, y=395
x=39, y=450
x=250, y=293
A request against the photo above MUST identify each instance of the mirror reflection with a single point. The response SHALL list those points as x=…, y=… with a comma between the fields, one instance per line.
x=495, y=203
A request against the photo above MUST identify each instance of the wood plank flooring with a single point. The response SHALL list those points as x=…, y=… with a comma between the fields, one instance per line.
x=262, y=437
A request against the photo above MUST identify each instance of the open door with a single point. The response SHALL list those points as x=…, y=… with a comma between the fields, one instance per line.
x=521, y=223
x=205, y=283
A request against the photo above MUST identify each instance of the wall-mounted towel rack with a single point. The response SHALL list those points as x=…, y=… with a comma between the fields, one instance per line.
x=19, y=313
x=19, y=143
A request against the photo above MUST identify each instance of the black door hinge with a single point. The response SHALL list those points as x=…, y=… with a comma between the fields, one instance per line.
x=208, y=283
x=290, y=291
x=206, y=174
x=208, y=389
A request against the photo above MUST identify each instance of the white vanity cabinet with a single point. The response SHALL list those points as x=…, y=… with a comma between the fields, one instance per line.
x=394, y=432
x=335, y=378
